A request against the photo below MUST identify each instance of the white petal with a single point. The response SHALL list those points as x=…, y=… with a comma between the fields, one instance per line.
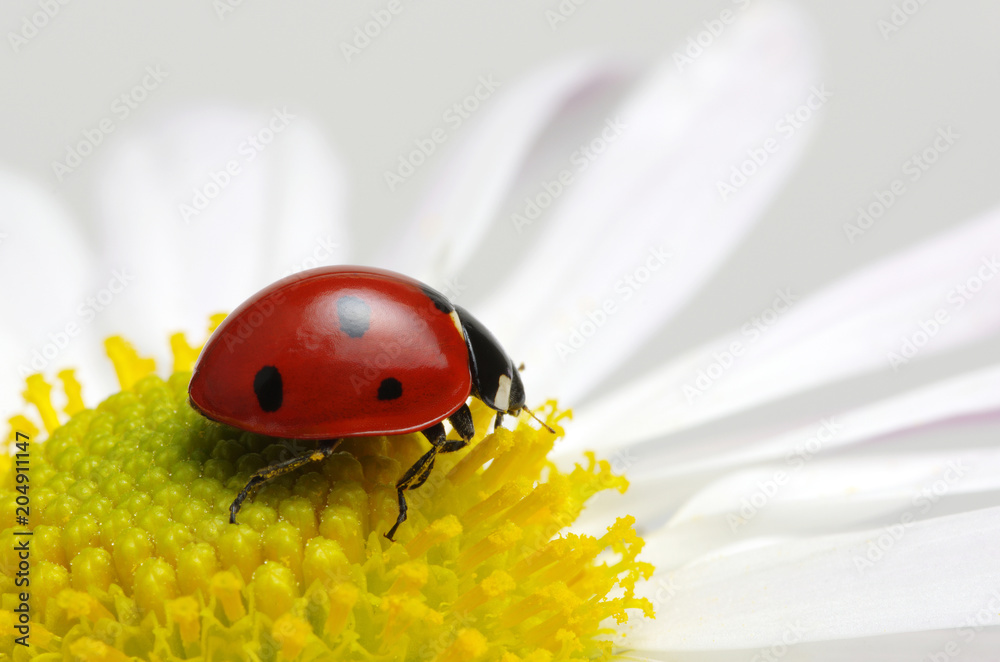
x=452, y=221
x=11, y=383
x=272, y=204
x=48, y=273
x=663, y=474
x=974, y=643
x=644, y=224
x=851, y=486
x=969, y=394
x=815, y=496
x=46, y=260
x=849, y=328
x=926, y=576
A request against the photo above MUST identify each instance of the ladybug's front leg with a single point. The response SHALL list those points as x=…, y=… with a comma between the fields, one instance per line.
x=272, y=471
x=417, y=475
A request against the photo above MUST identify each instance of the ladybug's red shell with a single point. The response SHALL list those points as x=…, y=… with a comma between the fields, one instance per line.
x=335, y=352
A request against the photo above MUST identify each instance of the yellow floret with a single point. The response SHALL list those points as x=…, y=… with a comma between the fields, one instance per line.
x=132, y=555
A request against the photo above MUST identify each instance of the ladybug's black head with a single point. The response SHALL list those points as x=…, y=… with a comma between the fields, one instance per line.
x=495, y=380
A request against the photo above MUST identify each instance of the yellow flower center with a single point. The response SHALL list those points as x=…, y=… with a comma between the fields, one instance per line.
x=132, y=553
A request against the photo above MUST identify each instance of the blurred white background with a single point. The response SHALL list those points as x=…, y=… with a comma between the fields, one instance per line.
x=891, y=92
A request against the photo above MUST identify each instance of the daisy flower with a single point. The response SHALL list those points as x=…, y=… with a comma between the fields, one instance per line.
x=821, y=533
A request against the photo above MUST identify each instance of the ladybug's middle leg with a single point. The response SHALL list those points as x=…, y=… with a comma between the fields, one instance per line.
x=417, y=475
x=272, y=471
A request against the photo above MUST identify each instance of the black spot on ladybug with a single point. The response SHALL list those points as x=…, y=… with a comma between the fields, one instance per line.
x=440, y=301
x=267, y=386
x=354, y=315
x=389, y=389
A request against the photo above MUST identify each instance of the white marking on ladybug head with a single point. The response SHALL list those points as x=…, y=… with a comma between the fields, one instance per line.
x=502, y=399
x=458, y=323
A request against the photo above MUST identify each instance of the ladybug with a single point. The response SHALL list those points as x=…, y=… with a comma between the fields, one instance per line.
x=347, y=351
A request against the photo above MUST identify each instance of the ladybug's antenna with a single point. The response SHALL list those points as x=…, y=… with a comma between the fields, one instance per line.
x=543, y=424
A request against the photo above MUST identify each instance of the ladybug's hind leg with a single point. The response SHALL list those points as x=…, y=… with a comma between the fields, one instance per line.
x=417, y=475
x=272, y=471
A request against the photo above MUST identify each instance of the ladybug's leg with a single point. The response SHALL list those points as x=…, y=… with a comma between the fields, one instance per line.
x=270, y=472
x=417, y=475
x=422, y=468
x=461, y=420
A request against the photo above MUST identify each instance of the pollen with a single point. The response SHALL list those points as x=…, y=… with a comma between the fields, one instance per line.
x=132, y=555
